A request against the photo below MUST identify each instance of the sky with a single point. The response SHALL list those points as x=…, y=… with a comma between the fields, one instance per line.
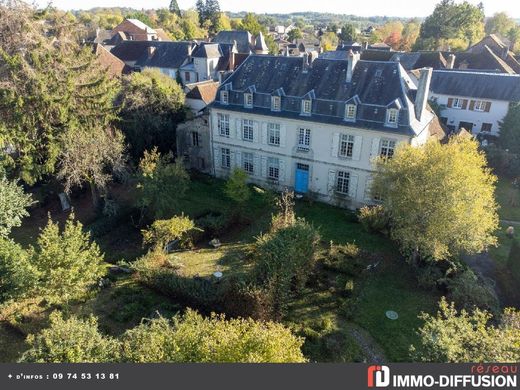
x=403, y=8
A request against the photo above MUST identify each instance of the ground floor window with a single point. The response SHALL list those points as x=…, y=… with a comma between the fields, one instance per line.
x=342, y=182
x=248, y=162
x=273, y=168
x=226, y=158
x=487, y=127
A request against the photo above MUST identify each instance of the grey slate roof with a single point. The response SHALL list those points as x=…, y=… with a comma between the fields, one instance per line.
x=242, y=38
x=375, y=86
x=207, y=50
x=420, y=59
x=497, y=86
x=165, y=55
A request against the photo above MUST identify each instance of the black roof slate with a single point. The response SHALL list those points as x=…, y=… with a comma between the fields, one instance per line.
x=165, y=55
x=242, y=38
x=496, y=86
x=375, y=86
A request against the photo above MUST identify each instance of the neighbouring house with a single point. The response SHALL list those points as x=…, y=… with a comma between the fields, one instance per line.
x=193, y=144
x=135, y=30
x=475, y=101
x=497, y=46
x=316, y=127
x=200, y=95
x=113, y=65
x=167, y=57
x=242, y=39
x=209, y=61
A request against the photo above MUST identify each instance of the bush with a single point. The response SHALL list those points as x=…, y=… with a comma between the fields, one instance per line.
x=213, y=225
x=195, y=292
x=193, y=338
x=469, y=291
x=513, y=261
x=374, y=219
x=349, y=287
x=284, y=259
x=429, y=276
x=70, y=341
x=503, y=162
x=163, y=231
x=344, y=258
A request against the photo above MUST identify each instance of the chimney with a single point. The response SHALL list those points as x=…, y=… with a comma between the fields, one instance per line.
x=423, y=90
x=364, y=46
x=353, y=58
x=305, y=59
x=505, y=52
x=451, y=61
x=151, y=50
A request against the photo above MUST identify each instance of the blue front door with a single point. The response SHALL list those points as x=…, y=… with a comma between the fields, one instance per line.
x=301, y=184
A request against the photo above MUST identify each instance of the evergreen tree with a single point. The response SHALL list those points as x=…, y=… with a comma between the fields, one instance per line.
x=510, y=129
x=174, y=8
x=200, y=5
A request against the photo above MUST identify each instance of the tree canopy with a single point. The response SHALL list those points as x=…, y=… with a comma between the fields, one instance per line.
x=152, y=104
x=452, y=26
x=161, y=183
x=13, y=205
x=462, y=337
x=440, y=198
x=510, y=129
x=189, y=338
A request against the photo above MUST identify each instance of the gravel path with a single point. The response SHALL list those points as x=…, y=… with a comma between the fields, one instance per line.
x=371, y=350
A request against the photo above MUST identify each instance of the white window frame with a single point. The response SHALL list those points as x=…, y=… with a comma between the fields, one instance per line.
x=273, y=168
x=224, y=97
x=276, y=103
x=273, y=134
x=225, y=158
x=457, y=103
x=248, y=100
x=346, y=145
x=387, y=148
x=350, y=112
x=392, y=117
x=480, y=105
x=248, y=162
x=248, y=129
x=306, y=106
x=343, y=182
x=223, y=125
x=304, y=138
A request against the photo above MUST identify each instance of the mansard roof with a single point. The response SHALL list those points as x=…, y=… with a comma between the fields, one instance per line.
x=375, y=85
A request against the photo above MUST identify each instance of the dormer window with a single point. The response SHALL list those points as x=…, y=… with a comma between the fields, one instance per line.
x=350, y=112
x=306, y=106
x=248, y=100
x=276, y=103
x=224, y=97
x=392, y=117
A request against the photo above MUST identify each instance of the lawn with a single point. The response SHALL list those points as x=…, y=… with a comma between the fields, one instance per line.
x=317, y=314
x=508, y=197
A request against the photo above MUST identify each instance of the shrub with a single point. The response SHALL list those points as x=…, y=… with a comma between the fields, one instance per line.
x=344, y=258
x=18, y=276
x=193, y=338
x=349, y=287
x=283, y=260
x=469, y=291
x=374, y=219
x=70, y=341
x=163, y=231
x=236, y=187
x=429, y=276
x=213, y=225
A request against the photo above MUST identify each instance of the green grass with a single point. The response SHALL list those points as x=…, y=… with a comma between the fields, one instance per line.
x=501, y=252
x=508, y=197
x=316, y=314
x=392, y=286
